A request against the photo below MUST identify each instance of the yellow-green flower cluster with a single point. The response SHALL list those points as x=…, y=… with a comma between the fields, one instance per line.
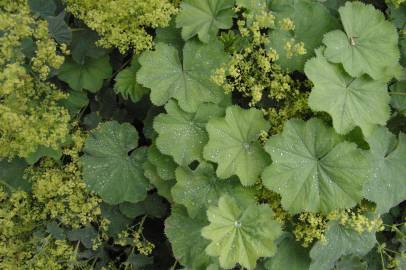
x=58, y=194
x=29, y=112
x=253, y=72
x=357, y=220
x=309, y=228
x=123, y=23
x=264, y=195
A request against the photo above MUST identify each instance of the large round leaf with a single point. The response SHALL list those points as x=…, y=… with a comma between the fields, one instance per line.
x=109, y=169
x=350, y=101
x=368, y=45
x=313, y=169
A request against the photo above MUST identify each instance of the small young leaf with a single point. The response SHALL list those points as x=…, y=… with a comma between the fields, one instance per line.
x=58, y=29
x=126, y=83
x=204, y=18
x=199, y=189
x=182, y=135
x=240, y=232
x=89, y=76
x=233, y=144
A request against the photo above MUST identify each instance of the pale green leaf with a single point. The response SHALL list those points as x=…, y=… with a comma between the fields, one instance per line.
x=240, y=232
x=190, y=83
x=108, y=169
x=182, y=135
x=89, y=76
x=204, y=18
x=233, y=144
x=313, y=169
x=188, y=245
x=340, y=241
x=368, y=45
x=387, y=182
x=199, y=189
x=127, y=85
x=350, y=101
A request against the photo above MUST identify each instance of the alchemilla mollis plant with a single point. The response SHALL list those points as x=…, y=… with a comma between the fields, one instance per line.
x=203, y=134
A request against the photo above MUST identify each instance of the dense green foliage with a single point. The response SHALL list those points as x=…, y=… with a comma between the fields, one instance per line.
x=203, y=134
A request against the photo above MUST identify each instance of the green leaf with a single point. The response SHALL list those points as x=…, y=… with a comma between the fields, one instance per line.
x=56, y=231
x=368, y=45
x=43, y=151
x=340, y=241
x=313, y=169
x=108, y=169
x=386, y=185
x=204, y=18
x=199, y=189
x=84, y=45
x=126, y=83
x=164, y=164
x=75, y=102
x=12, y=175
x=306, y=30
x=140, y=262
x=163, y=186
x=233, y=144
x=187, y=243
x=58, y=29
x=190, y=83
x=351, y=263
x=153, y=206
x=117, y=221
x=170, y=35
x=290, y=255
x=85, y=235
x=42, y=7
x=399, y=101
x=240, y=232
x=350, y=101
x=186, y=129
x=89, y=76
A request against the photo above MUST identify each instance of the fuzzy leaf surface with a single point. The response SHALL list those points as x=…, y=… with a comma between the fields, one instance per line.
x=387, y=183
x=182, y=135
x=189, y=82
x=108, y=169
x=313, y=169
x=350, y=101
x=89, y=76
x=340, y=241
x=233, y=144
x=369, y=43
x=240, y=232
x=204, y=18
